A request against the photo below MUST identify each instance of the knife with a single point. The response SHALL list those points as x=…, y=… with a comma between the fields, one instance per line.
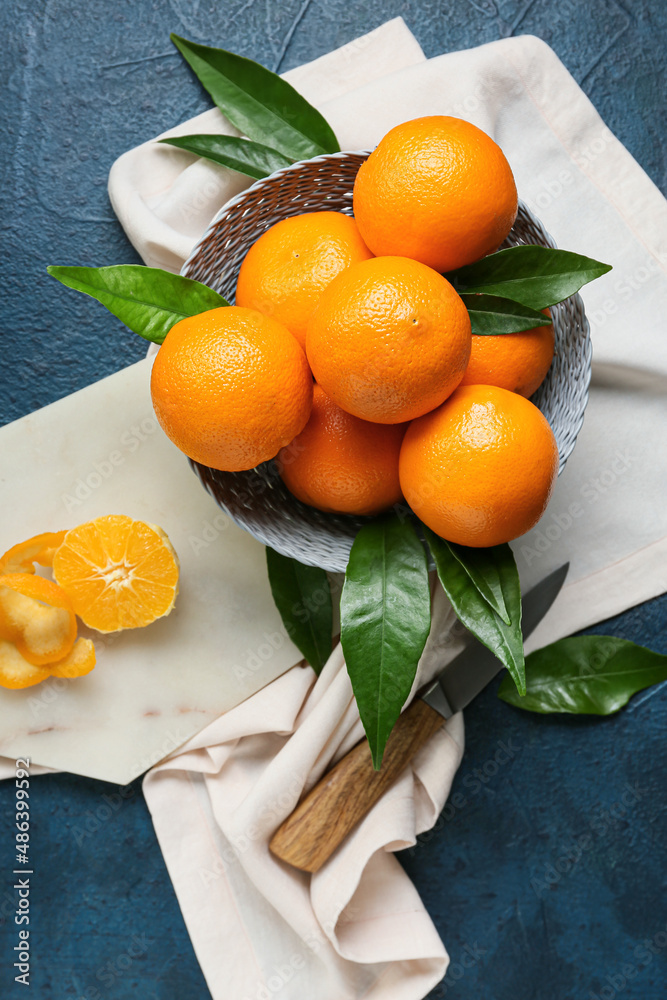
x=321, y=821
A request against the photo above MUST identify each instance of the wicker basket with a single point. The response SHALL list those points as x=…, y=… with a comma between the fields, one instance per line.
x=257, y=500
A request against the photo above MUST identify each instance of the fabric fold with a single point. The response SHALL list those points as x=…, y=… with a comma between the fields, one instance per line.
x=357, y=926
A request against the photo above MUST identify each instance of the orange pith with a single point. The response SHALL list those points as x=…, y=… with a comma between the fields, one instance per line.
x=15, y=671
x=79, y=661
x=36, y=616
x=230, y=387
x=21, y=558
x=118, y=573
x=289, y=266
x=437, y=189
x=389, y=339
x=515, y=361
x=341, y=463
x=480, y=469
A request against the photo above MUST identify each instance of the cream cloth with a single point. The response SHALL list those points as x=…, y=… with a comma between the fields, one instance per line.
x=357, y=929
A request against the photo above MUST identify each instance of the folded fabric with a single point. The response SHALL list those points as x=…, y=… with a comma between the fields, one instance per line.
x=165, y=198
x=355, y=928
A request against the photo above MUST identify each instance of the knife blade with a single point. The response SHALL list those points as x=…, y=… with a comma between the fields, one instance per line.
x=322, y=820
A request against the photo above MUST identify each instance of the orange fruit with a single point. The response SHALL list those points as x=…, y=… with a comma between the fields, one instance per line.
x=480, y=469
x=515, y=361
x=289, y=266
x=341, y=463
x=389, y=339
x=437, y=189
x=36, y=616
x=21, y=558
x=118, y=573
x=230, y=387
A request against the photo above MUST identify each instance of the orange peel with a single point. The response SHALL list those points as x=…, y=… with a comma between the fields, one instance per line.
x=39, y=549
x=78, y=662
x=36, y=615
x=16, y=672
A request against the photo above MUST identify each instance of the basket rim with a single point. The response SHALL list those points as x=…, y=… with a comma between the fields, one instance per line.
x=239, y=198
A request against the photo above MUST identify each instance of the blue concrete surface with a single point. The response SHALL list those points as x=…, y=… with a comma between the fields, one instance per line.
x=546, y=874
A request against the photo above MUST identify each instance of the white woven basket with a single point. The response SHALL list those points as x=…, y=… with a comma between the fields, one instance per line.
x=257, y=500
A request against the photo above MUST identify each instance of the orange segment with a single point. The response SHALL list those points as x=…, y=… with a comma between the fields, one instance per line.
x=118, y=573
x=15, y=671
x=37, y=616
x=40, y=549
x=78, y=662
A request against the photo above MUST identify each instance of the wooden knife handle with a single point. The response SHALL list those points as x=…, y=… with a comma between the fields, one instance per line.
x=345, y=794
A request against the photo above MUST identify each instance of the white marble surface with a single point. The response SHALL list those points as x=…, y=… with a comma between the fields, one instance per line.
x=101, y=451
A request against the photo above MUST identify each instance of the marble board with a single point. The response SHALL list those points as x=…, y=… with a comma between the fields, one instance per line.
x=101, y=451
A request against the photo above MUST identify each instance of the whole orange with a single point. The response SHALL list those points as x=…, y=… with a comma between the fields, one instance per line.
x=437, y=189
x=341, y=463
x=289, y=266
x=515, y=361
x=389, y=339
x=480, y=469
x=230, y=387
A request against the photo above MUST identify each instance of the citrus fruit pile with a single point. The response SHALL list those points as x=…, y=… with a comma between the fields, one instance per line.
x=113, y=573
x=349, y=356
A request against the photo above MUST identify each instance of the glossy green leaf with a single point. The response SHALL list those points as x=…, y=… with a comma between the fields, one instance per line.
x=474, y=611
x=249, y=158
x=385, y=620
x=534, y=276
x=586, y=675
x=302, y=595
x=493, y=571
x=491, y=315
x=258, y=102
x=148, y=300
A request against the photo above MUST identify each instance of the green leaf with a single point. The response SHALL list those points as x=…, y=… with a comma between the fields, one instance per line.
x=493, y=315
x=258, y=102
x=385, y=620
x=249, y=158
x=459, y=582
x=493, y=571
x=303, y=597
x=535, y=276
x=147, y=299
x=586, y=675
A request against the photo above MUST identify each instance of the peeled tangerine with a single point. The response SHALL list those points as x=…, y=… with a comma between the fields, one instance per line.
x=38, y=633
x=118, y=573
x=480, y=469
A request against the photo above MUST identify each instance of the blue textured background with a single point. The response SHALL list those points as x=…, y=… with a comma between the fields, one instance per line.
x=545, y=874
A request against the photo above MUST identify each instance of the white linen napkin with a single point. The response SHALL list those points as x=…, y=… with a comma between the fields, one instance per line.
x=357, y=928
